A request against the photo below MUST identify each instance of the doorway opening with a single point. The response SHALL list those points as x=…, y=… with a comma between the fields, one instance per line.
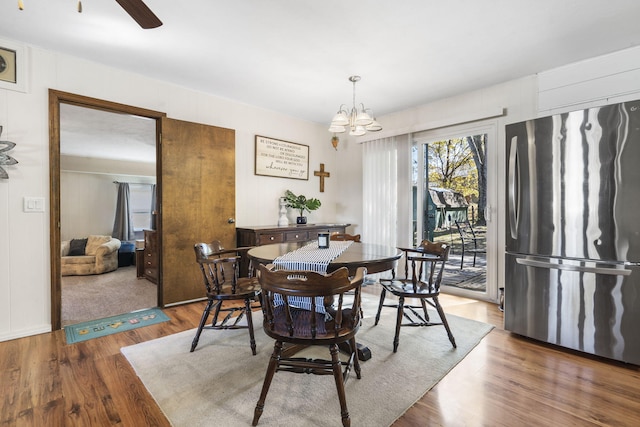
x=77, y=173
x=450, y=195
x=101, y=151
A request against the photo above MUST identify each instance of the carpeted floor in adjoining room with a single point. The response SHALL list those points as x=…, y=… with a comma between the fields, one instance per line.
x=103, y=295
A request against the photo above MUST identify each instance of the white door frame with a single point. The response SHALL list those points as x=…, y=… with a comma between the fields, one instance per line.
x=489, y=128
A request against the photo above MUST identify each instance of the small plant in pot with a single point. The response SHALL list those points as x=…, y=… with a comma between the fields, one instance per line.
x=302, y=204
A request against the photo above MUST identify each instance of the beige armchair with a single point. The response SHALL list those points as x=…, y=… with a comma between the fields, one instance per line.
x=100, y=256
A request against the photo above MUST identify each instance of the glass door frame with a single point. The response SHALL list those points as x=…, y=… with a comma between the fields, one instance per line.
x=421, y=140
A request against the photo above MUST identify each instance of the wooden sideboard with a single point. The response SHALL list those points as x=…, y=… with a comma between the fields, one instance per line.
x=151, y=256
x=264, y=235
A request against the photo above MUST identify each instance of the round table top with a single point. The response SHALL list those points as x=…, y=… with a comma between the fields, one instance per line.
x=376, y=258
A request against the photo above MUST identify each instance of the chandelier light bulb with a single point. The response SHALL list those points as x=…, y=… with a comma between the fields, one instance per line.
x=337, y=128
x=363, y=119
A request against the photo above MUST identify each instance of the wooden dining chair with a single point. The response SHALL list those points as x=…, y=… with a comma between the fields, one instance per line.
x=220, y=270
x=471, y=243
x=344, y=236
x=423, y=283
x=287, y=323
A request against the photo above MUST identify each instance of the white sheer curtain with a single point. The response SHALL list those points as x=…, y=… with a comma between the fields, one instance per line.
x=387, y=190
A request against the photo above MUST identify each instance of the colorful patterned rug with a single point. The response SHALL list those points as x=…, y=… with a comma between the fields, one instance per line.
x=111, y=325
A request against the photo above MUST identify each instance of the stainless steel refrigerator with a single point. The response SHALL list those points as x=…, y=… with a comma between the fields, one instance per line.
x=572, y=274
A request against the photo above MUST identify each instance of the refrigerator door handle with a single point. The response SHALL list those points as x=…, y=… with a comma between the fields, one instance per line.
x=569, y=267
x=512, y=186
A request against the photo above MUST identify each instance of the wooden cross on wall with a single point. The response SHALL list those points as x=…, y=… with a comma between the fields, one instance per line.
x=322, y=174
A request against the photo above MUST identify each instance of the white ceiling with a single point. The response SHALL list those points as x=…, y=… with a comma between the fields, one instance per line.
x=86, y=132
x=294, y=56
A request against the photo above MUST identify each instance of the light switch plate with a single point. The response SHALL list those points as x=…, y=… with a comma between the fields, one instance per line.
x=33, y=204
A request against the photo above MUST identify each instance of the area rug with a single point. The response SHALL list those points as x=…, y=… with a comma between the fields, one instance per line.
x=114, y=324
x=219, y=384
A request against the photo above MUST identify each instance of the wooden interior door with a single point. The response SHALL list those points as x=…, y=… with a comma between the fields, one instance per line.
x=197, y=202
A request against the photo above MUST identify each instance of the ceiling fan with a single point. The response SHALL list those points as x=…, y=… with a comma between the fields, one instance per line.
x=139, y=11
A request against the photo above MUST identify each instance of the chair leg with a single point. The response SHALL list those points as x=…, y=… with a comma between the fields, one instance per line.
x=462, y=257
x=444, y=321
x=252, y=339
x=424, y=309
x=383, y=295
x=203, y=320
x=216, y=313
x=396, y=338
x=474, y=259
x=337, y=375
x=271, y=370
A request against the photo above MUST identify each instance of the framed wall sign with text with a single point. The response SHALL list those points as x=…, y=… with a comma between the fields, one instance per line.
x=282, y=159
x=12, y=66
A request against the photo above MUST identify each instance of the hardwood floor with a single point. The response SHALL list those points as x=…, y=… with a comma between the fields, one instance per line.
x=505, y=381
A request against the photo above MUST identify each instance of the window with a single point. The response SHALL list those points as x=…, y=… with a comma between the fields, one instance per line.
x=140, y=196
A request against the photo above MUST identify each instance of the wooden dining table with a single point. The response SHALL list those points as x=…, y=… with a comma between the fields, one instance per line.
x=375, y=258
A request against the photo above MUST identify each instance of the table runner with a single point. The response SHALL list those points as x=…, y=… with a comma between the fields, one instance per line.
x=311, y=258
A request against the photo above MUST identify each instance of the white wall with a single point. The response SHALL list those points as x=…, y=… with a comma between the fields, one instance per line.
x=24, y=246
x=346, y=179
x=87, y=204
x=88, y=194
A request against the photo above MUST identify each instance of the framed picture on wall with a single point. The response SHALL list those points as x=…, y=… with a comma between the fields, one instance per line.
x=12, y=66
x=282, y=159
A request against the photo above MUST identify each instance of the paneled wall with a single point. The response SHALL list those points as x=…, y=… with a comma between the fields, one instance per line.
x=606, y=79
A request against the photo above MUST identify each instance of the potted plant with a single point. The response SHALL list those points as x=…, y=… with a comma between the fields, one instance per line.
x=302, y=204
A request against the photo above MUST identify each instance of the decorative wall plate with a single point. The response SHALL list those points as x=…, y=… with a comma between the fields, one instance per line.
x=8, y=65
x=5, y=159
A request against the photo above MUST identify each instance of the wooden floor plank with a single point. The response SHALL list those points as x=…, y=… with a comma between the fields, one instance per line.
x=505, y=381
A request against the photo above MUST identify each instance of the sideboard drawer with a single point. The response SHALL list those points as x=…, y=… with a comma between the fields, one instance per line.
x=296, y=236
x=265, y=235
x=267, y=238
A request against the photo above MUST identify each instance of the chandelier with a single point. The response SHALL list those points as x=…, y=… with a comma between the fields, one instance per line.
x=359, y=120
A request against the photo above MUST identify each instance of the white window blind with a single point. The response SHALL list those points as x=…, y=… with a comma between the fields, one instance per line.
x=387, y=201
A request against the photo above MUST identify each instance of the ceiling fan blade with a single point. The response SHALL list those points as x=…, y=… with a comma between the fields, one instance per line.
x=140, y=13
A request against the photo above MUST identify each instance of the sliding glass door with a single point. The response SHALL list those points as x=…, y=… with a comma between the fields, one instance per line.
x=452, y=198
